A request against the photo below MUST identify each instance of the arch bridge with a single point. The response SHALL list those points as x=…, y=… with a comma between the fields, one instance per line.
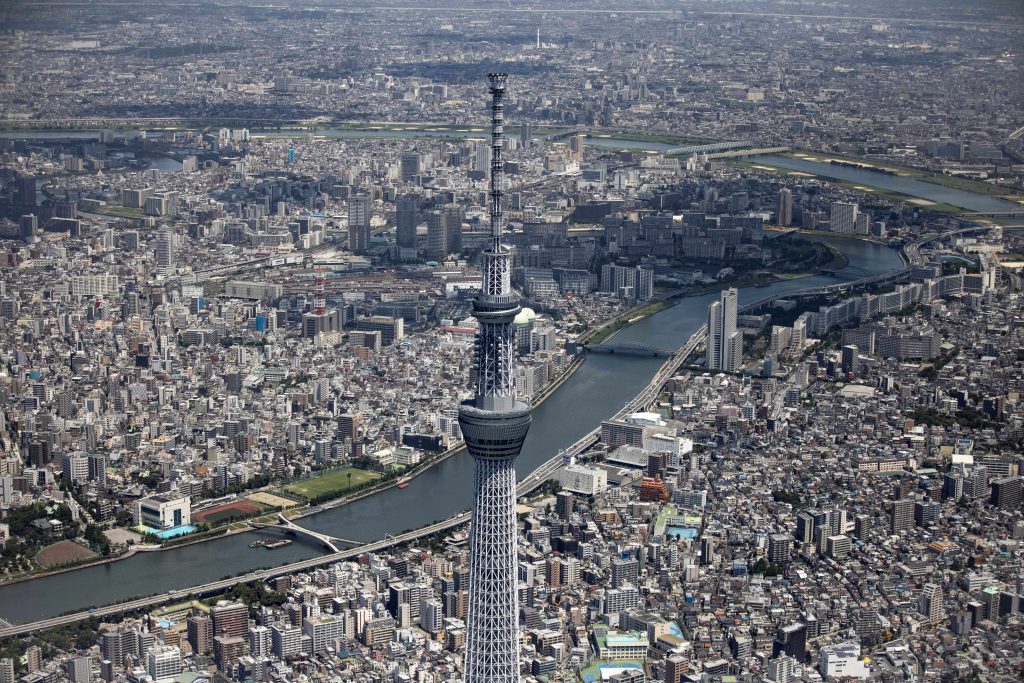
x=291, y=528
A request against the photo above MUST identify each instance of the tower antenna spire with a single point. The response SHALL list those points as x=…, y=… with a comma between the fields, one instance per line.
x=494, y=425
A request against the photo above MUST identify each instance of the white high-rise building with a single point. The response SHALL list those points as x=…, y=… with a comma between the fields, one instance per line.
x=843, y=218
x=165, y=252
x=725, y=342
x=431, y=614
x=163, y=662
x=842, y=662
x=79, y=670
x=259, y=641
x=286, y=640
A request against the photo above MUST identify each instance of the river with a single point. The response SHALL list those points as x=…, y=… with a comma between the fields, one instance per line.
x=895, y=183
x=602, y=385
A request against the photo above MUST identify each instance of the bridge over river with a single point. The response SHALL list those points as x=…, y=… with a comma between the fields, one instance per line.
x=631, y=349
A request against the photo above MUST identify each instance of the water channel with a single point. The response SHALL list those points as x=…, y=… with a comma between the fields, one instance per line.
x=597, y=390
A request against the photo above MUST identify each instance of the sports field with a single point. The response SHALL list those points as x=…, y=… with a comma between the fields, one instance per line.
x=63, y=552
x=265, y=498
x=332, y=483
x=240, y=509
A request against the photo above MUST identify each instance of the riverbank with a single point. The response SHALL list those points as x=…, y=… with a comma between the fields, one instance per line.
x=624, y=320
x=924, y=175
x=302, y=511
x=866, y=187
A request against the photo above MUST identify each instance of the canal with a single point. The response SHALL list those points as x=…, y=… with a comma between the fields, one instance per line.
x=602, y=385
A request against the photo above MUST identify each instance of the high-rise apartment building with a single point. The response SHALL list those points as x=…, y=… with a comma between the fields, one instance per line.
x=1006, y=493
x=410, y=166
x=6, y=670
x=724, y=341
x=79, y=669
x=901, y=516
x=407, y=217
x=576, y=144
x=437, y=235
x=200, y=633
x=230, y=619
x=843, y=218
x=359, y=213
x=784, y=207
x=163, y=662
x=165, y=247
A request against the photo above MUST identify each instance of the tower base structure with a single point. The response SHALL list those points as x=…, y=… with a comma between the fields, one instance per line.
x=494, y=439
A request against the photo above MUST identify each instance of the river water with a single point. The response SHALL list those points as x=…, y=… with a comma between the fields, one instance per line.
x=602, y=385
x=903, y=184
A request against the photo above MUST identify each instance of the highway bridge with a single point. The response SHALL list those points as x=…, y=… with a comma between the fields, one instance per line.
x=751, y=152
x=709, y=147
x=631, y=350
x=995, y=214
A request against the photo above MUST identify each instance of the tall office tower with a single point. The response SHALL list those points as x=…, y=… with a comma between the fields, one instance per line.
x=359, y=224
x=576, y=144
x=453, y=215
x=410, y=166
x=725, y=342
x=526, y=135
x=784, y=207
x=494, y=426
x=843, y=218
x=27, y=192
x=165, y=251
x=27, y=227
x=482, y=159
x=437, y=235
x=407, y=217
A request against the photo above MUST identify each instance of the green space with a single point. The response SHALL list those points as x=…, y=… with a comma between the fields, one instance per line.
x=117, y=211
x=967, y=417
x=649, y=137
x=78, y=635
x=332, y=484
x=803, y=255
x=740, y=281
x=625, y=320
x=592, y=674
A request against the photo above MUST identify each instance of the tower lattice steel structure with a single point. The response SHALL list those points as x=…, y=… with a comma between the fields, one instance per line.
x=494, y=425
